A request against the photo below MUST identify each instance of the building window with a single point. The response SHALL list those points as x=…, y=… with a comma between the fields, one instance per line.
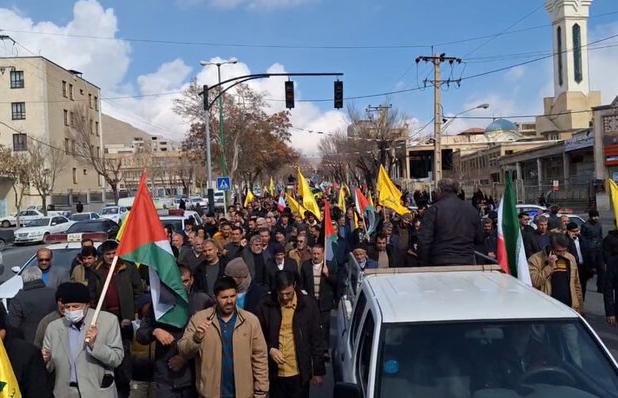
x=71, y=120
x=96, y=128
x=90, y=100
x=20, y=142
x=91, y=124
x=64, y=89
x=17, y=79
x=66, y=117
x=74, y=175
x=73, y=147
x=18, y=110
x=67, y=145
x=559, y=53
x=96, y=103
x=85, y=172
x=70, y=91
x=577, y=53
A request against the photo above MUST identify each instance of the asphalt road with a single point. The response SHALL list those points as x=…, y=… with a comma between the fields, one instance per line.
x=594, y=310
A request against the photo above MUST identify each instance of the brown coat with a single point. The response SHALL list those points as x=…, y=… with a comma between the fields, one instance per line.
x=250, y=355
x=300, y=256
x=541, y=271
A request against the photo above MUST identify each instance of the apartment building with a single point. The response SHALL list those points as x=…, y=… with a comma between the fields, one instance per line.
x=40, y=104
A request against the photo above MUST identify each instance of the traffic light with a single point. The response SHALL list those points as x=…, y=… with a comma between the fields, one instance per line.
x=338, y=94
x=289, y=94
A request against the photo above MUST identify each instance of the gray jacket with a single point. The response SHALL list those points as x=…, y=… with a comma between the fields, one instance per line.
x=57, y=276
x=91, y=365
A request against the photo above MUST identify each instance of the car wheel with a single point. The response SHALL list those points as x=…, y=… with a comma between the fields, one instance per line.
x=45, y=237
x=6, y=224
x=2, y=244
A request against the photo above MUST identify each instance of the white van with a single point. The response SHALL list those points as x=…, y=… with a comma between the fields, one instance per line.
x=465, y=331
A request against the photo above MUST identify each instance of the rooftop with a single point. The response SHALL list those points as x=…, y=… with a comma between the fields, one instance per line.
x=460, y=295
x=501, y=125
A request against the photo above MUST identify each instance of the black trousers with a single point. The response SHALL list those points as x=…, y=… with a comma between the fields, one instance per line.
x=584, y=276
x=163, y=390
x=594, y=261
x=288, y=387
x=325, y=328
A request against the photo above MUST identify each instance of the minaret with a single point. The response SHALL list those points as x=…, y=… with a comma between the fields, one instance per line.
x=570, y=38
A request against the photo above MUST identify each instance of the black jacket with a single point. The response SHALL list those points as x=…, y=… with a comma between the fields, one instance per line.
x=255, y=295
x=29, y=306
x=592, y=235
x=256, y=264
x=328, y=284
x=449, y=232
x=528, y=235
x=307, y=335
x=28, y=367
x=200, y=277
x=144, y=335
x=610, y=286
x=393, y=256
x=610, y=244
x=271, y=270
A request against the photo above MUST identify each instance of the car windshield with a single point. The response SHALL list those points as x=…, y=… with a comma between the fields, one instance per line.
x=176, y=223
x=80, y=217
x=86, y=227
x=109, y=210
x=62, y=258
x=39, y=222
x=494, y=359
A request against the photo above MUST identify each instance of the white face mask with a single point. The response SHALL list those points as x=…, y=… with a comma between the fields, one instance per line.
x=74, y=316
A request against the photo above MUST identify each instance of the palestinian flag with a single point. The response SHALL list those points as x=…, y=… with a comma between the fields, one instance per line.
x=330, y=236
x=366, y=210
x=511, y=254
x=144, y=241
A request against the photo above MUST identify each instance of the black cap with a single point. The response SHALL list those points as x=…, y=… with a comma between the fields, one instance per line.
x=571, y=226
x=278, y=248
x=75, y=292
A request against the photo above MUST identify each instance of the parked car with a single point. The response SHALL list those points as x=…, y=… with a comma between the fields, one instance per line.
x=6, y=237
x=25, y=216
x=501, y=338
x=39, y=229
x=84, y=216
x=177, y=218
x=219, y=199
x=105, y=225
x=532, y=210
x=114, y=213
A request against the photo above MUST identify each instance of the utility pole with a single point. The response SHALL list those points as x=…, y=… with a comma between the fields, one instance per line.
x=437, y=61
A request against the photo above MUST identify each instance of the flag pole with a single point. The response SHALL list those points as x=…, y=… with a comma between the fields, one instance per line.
x=108, y=279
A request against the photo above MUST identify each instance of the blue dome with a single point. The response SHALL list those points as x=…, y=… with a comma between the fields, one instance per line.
x=501, y=125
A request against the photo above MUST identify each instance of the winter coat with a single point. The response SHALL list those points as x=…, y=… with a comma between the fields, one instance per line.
x=271, y=270
x=306, y=330
x=29, y=306
x=449, y=231
x=328, y=284
x=130, y=286
x=541, y=273
x=610, y=286
x=29, y=368
x=592, y=235
x=256, y=264
x=249, y=353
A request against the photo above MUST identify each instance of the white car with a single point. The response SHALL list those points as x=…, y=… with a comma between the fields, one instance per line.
x=464, y=332
x=25, y=216
x=37, y=230
x=84, y=216
x=532, y=210
x=114, y=213
x=178, y=221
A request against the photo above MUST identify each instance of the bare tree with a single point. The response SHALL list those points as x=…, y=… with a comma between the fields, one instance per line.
x=16, y=167
x=46, y=163
x=87, y=151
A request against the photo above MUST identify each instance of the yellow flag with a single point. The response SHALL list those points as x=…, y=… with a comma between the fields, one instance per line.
x=8, y=382
x=249, y=198
x=355, y=221
x=613, y=189
x=297, y=208
x=341, y=199
x=309, y=202
x=388, y=194
x=271, y=187
x=370, y=199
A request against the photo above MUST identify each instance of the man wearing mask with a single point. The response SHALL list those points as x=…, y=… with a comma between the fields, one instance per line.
x=228, y=347
x=173, y=375
x=279, y=263
x=26, y=361
x=592, y=239
x=211, y=269
x=450, y=229
x=290, y=320
x=52, y=276
x=82, y=356
x=252, y=255
x=554, y=272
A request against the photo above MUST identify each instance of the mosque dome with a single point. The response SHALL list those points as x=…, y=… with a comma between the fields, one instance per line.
x=501, y=125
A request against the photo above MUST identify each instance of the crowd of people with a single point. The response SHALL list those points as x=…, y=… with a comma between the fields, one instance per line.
x=261, y=293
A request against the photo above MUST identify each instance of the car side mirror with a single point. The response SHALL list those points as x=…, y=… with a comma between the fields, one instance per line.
x=15, y=269
x=347, y=390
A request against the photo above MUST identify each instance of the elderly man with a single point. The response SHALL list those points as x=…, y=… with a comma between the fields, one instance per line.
x=450, y=230
x=249, y=293
x=31, y=303
x=192, y=256
x=82, y=356
x=52, y=275
x=253, y=257
x=301, y=252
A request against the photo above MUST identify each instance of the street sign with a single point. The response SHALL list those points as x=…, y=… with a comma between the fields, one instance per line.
x=224, y=184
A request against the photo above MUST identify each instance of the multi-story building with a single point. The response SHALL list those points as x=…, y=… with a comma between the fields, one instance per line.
x=40, y=104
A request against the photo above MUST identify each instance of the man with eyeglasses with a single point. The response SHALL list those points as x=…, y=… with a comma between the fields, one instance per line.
x=554, y=272
x=301, y=253
x=52, y=276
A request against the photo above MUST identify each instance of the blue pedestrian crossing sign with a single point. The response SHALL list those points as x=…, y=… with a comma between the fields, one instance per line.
x=223, y=183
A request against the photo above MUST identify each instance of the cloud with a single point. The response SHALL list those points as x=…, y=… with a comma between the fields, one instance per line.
x=249, y=4
x=603, y=61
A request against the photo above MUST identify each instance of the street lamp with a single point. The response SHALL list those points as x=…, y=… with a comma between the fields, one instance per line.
x=447, y=120
x=230, y=61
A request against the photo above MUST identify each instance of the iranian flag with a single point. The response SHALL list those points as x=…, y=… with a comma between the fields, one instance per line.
x=365, y=209
x=511, y=254
x=281, y=203
x=145, y=242
x=330, y=237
